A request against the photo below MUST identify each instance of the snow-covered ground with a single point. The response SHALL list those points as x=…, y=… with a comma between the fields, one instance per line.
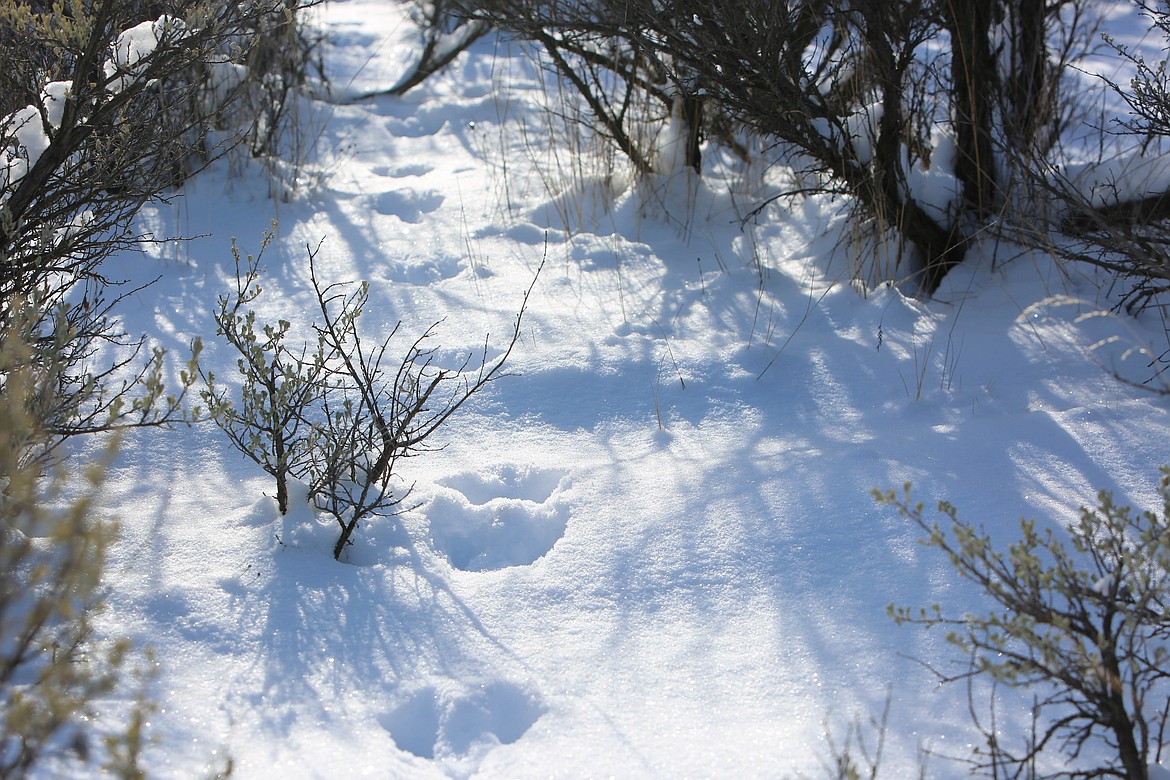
x=650, y=553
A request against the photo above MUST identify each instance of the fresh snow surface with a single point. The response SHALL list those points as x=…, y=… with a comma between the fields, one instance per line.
x=652, y=551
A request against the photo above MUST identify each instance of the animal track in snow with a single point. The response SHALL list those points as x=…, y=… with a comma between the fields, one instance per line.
x=408, y=205
x=508, y=517
x=402, y=171
x=509, y=481
x=435, y=724
x=423, y=271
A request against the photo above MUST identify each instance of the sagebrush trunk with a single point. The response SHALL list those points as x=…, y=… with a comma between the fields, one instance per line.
x=973, y=71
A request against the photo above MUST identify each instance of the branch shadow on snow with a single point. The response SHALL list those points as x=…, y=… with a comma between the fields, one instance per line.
x=387, y=630
x=288, y=636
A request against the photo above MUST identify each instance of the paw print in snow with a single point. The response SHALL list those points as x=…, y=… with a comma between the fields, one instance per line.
x=406, y=204
x=508, y=517
x=457, y=724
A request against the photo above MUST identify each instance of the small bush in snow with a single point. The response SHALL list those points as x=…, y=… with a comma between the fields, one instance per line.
x=282, y=52
x=269, y=423
x=52, y=670
x=1117, y=211
x=338, y=414
x=1085, y=623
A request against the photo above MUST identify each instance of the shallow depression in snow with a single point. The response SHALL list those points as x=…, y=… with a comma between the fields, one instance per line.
x=434, y=724
x=408, y=205
x=510, y=516
x=530, y=483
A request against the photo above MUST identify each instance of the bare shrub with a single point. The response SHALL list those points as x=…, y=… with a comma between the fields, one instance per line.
x=445, y=32
x=52, y=670
x=269, y=424
x=106, y=107
x=338, y=414
x=1115, y=213
x=918, y=135
x=1082, y=623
